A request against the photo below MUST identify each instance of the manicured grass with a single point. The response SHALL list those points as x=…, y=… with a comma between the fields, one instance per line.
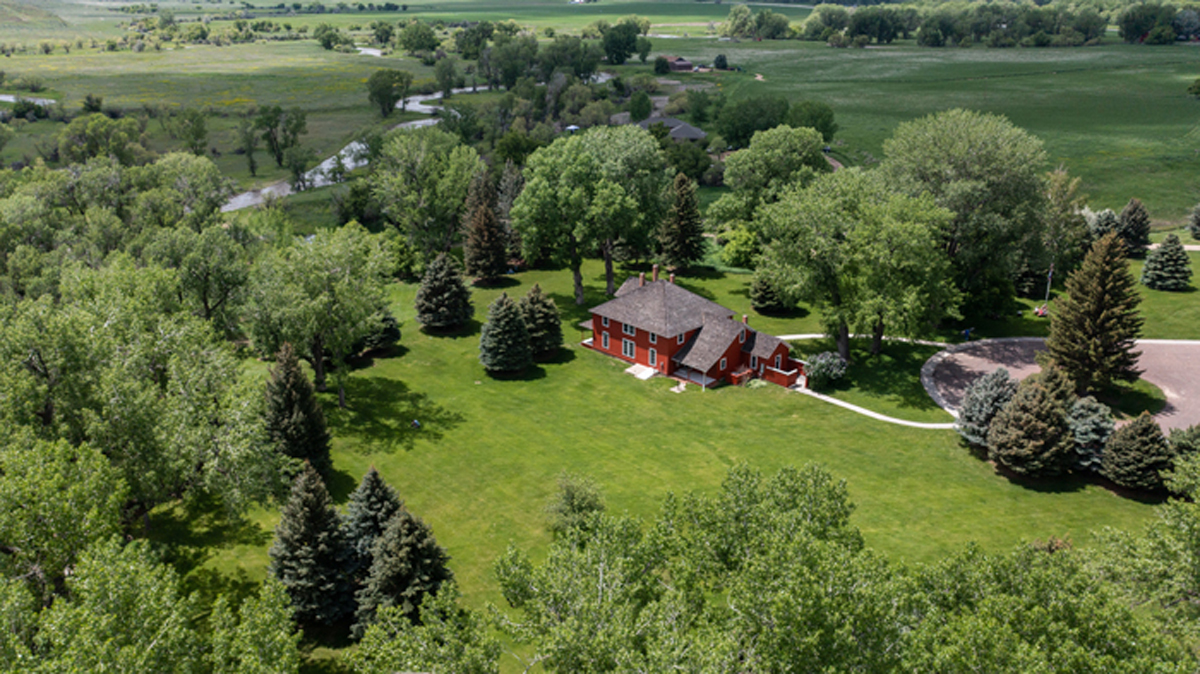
x=1170, y=315
x=483, y=464
x=888, y=383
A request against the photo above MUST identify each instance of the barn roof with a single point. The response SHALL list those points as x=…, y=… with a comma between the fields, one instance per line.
x=660, y=307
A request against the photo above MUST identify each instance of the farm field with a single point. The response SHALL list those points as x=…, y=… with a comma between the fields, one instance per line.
x=484, y=462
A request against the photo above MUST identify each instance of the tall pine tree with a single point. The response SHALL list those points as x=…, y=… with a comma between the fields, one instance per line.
x=1134, y=227
x=682, y=232
x=372, y=505
x=443, y=300
x=1095, y=326
x=1137, y=455
x=1030, y=435
x=984, y=399
x=310, y=555
x=504, y=341
x=408, y=564
x=1168, y=266
x=484, y=245
x=542, y=321
x=294, y=419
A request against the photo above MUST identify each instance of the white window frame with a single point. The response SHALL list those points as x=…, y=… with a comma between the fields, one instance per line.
x=604, y=340
x=778, y=361
x=653, y=358
x=627, y=329
x=723, y=363
x=680, y=338
x=604, y=321
x=653, y=338
x=629, y=348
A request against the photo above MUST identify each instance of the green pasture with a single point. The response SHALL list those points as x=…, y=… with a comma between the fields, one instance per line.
x=1118, y=116
x=483, y=463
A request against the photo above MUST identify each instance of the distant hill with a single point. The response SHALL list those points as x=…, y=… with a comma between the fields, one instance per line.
x=15, y=14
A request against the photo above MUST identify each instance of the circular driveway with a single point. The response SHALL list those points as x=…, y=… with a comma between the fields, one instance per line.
x=1171, y=365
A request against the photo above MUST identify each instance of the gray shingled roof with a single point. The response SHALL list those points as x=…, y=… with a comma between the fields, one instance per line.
x=706, y=348
x=678, y=129
x=660, y=307
x=761, y=344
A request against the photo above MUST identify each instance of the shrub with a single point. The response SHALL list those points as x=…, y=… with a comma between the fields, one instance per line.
x=1137, y=455
x=984, y=399
x=662, y=67
x=578, y=500
x=823, y=369
x=720, y=62
x=1030, y=435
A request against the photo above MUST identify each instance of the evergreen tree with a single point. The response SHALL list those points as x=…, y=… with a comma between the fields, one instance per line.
x=484, y=246
x=1092, y=425
x=504, y=342
x=372, y=505
x=1134, y=227
x=1185, y=441
x=310, y=555
x=1058, y=386
x=985, y=397
x=1030, y=435
x=1137, y=455
x=542, y=321
x=408, y=564
x=1194, y=223
x=765, y=297
x=1104, y=222
x=682, y=233
x=1168, y=267
x=1094, y=328
x=294, y=419
x=512, y=181
x=443, y=300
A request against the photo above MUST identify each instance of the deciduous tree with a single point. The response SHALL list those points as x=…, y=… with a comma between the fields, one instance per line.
x=260, y=639
x=386, y=88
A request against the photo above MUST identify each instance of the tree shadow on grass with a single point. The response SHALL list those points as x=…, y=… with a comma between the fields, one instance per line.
x=572, y=313
x=1077, y=482
x=560, y=356
x=367, y=359
x=894, y=374
x=380, y=413
x=340, y=484
x=468, y=329
x=531, y=373
x=191, y=530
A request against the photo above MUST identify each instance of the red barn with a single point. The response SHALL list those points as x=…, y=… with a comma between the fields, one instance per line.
x=679, y=334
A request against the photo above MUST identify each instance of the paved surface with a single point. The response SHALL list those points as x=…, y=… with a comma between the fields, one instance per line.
x=874, y=415
x=1171, y=365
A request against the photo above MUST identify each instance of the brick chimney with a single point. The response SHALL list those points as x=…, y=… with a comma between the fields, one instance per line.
x=746, y=319
x=655, y=271
x=672, y=278
x=641, y=279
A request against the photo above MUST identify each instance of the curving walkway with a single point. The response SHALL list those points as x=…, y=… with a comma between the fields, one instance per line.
x=874, y=415
x=1173, y=365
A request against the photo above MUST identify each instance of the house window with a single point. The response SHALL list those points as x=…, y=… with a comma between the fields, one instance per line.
x=628, y=349
x=753, y=362
x=742, y=337
x=604, y=321
x=604, y=339
x=680, y=338
x=653, y=358
x=722, y=365
x=777, y=362
x=629, y=329
x=653, y=338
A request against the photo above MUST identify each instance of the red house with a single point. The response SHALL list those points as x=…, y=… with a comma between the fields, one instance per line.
x=676, y=332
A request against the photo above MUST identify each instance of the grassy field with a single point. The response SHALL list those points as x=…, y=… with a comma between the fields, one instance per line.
x=1118, y=116
x=483, y=463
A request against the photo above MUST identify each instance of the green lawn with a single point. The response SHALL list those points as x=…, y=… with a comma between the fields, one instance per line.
x=483, y=464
